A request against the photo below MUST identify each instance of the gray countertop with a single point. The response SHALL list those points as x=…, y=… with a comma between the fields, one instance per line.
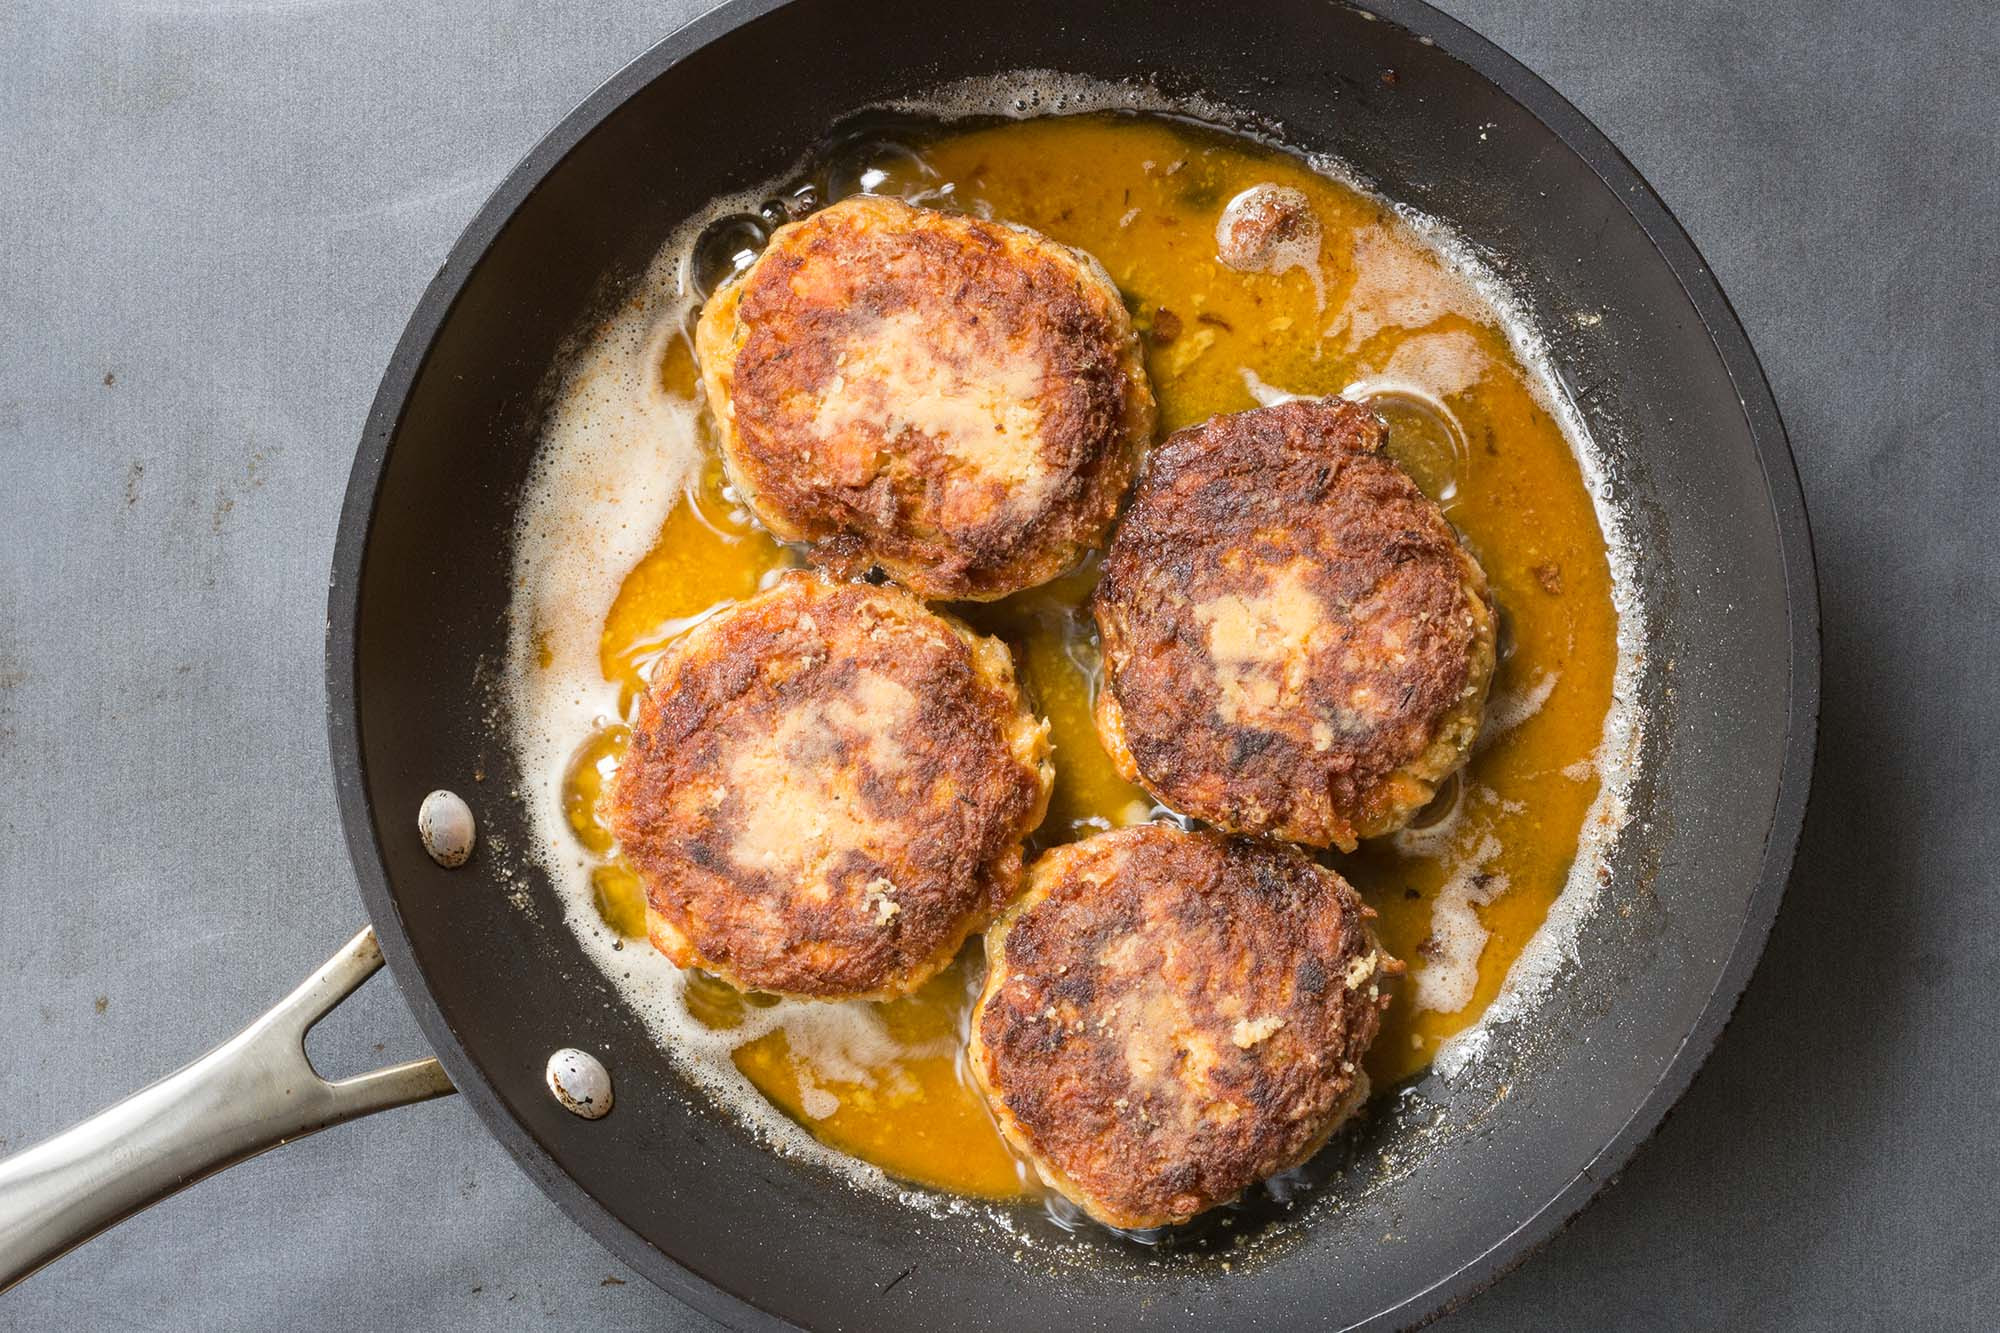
x=215, y=216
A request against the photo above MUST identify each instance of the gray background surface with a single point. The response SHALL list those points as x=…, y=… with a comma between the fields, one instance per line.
x=214, y=219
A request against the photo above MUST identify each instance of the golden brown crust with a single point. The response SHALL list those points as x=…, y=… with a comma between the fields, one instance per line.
x=956, y=401
x=1295, y=642
x=827, y=789
x=1169, y=1017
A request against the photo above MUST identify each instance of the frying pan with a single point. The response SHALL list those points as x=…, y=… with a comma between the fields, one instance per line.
x=1445, y=1185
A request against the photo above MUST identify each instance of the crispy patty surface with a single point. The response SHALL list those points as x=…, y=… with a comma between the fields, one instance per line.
x=827, y=789
x=958, y=402
x=1169, y=1017
x=1296, y=644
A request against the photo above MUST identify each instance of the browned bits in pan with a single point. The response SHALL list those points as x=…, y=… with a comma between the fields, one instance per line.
x=958, y=402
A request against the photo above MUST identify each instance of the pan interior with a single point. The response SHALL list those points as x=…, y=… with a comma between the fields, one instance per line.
x=1482, y=898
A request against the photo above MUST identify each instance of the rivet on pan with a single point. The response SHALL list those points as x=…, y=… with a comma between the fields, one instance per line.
x=444, y=822
x=580, y=1082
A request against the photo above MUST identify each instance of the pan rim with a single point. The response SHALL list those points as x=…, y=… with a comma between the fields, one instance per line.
x=1782, y=491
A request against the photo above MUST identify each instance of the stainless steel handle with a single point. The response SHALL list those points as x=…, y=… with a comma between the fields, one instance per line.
x=253, y=1092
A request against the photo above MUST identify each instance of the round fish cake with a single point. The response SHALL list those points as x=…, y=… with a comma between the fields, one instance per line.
x=827, y=789
x=1295, y=642
x=1170, y=1017
x=958, y=402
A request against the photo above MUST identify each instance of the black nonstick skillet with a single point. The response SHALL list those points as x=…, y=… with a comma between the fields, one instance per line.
x=1441, y=1189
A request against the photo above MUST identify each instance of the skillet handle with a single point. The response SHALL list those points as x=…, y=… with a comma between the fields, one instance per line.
x=253, y=1092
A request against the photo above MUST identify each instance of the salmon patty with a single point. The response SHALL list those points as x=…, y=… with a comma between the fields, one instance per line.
x=1296, y=644
x=827, y=789
x=957, y=402
x=1170, y=1017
